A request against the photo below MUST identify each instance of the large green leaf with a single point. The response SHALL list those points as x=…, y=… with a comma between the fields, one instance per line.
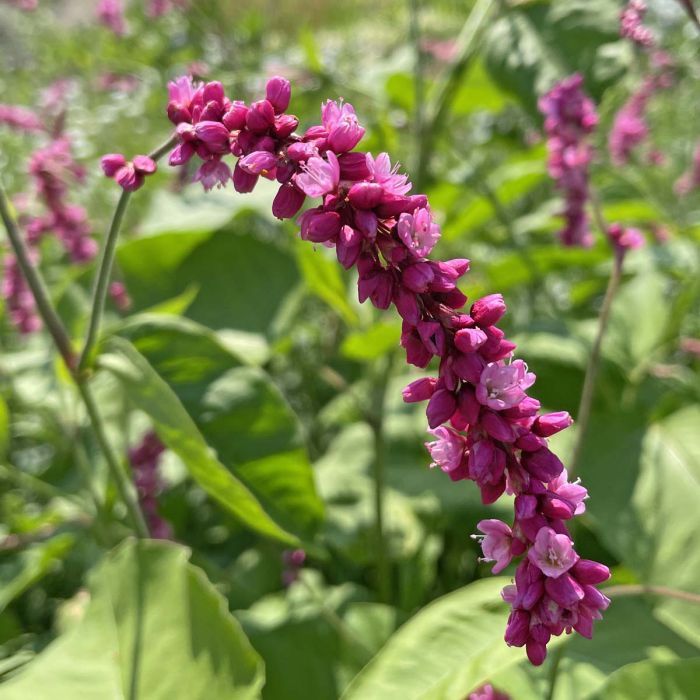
x=240, y=413
x=449, y=648
x=242, y=280
x=30, y=566
x=654, y=680
x=628, y=634
x=644, y=483
x=323, y=277
x=155, y=629
x=313, y=636
x=532, y=45
x=177, y=430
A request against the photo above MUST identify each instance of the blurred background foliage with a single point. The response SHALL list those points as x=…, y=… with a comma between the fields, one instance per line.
x=250, y=351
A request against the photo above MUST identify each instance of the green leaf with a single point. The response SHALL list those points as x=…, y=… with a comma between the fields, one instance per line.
x=155, y=628
x=177, y=430
x=372, y=343
x=531, y=46
x=30, y=566
x=644, y=483
x=315, y=636
x=323, y=277
x=665, y=680
x=242, y=281
x=239, y=411
x=445, y=651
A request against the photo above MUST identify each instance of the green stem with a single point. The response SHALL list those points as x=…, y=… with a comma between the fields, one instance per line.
x=60, y=337
x=663, y=591
x=119, y=475
x=446, y=90
x=376, y=422
x=104, y=273
x=36, y=285
x=346, y=633
x=557, y=656
x=418, y=74
x=583, y=414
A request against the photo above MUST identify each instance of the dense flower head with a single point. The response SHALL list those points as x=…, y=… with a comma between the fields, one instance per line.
x=632, y=24
x=570, y=117
x=145, y=460
x=486, y=428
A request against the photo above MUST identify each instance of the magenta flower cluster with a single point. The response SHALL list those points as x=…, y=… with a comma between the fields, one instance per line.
x=632, y=24
x=487, y=428
x=144, y=460
x=570, y=117
x=52, y=169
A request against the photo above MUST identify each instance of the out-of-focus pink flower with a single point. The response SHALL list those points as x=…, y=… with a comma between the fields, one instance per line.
x=488, y=692
x=110, y=13
x=21, y=119
x=569, y=117
x=632, y=24
x=625, y=238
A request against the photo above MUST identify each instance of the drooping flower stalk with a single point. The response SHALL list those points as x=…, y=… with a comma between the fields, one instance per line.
x=570, y=117
x=487, y=428
x=632, y=24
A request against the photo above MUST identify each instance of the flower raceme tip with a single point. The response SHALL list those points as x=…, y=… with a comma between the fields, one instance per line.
x=485, y=426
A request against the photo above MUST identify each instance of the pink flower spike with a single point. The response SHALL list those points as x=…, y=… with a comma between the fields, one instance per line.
x=553, y=554
x=448, y=450
x=496, y=543
x=319, y=177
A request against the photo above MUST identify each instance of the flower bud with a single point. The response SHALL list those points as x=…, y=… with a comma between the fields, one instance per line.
x=319, y=226
x=243, y=181
x=419, y=390
x=488, y=310
x=287, y=201
x=258, y=162
x=469, y=339
x=260, y=116
x=278, y=92
x=353, y=166
x=235, y=117
x=441, y=406
x=417, y=277
x=551, y=423
x=590, y=572
x=542, y=464
x=111, y=163
x=365, y=195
